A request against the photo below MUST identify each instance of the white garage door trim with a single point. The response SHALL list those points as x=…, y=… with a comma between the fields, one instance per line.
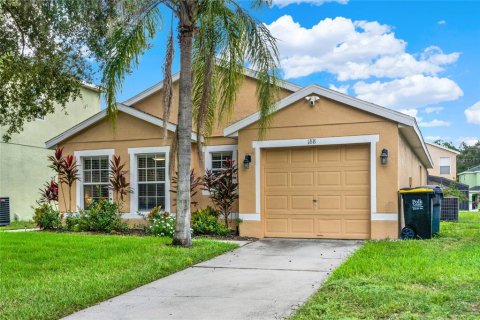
x=371, y=139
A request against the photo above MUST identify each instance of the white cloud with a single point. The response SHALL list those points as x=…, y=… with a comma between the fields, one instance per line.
x=351, y=50
x=342, y=89
x=284, y=3
x=409, y=92
x=435, y=138
x=473, y=113
x=442, y=22
x=434, y=123
x=430, y=110
x=469, y=141
x=411, y=112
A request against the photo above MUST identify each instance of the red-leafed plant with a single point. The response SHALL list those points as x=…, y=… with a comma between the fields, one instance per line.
x=69, y=176
x=118, y=182
x=223, y=188
x=49, y=192
x=56, y=164
x=195, y=182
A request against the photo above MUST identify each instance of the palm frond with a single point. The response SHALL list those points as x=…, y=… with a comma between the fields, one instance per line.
x=236, y=38
x=128, y=40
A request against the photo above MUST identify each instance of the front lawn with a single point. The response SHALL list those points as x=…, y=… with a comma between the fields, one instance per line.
x=429, y=279
x=49, y=275
x=14, y=225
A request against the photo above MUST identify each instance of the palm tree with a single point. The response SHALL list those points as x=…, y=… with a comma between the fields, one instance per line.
x=216, y=39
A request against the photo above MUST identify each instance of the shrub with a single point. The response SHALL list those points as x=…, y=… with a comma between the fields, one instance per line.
x=162, y=224
x=205, y=222
x=47, y=218
x=101, y=216
x=223, y=188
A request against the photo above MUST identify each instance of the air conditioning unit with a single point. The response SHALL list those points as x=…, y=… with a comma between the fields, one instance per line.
x=4, y=211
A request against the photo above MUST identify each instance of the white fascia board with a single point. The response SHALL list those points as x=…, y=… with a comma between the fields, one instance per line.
x=149, y=91
x=75, y=129
x=102, y=114
x=330, y=94
x=442, y=147
x=281, y=83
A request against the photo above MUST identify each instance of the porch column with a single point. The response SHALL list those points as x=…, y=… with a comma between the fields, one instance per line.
x=470, y=201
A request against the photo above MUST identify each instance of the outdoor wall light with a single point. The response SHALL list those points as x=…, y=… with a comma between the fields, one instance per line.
x=384, y=156
x=246, y=161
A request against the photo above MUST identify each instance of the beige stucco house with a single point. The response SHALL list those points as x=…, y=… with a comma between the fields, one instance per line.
x=444, y=161
x=317, y=172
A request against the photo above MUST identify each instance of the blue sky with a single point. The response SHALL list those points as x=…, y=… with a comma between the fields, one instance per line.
x=421, y=58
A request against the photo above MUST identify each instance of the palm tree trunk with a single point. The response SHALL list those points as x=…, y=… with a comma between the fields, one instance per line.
x=182, y=233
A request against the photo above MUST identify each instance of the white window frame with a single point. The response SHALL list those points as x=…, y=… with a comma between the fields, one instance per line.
x=133, y=152
x=208, y=150
x=449, y=165
x=79, y=184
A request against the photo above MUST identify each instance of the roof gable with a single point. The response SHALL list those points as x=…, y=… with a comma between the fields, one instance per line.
x=159, y=86
x=102, y=115
x=471, y=170
x=442, y=147
x=407, y=124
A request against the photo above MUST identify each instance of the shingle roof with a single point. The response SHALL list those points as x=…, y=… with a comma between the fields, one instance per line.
x=474, y=169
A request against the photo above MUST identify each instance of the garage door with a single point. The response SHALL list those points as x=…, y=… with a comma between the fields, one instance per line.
x=316, y=192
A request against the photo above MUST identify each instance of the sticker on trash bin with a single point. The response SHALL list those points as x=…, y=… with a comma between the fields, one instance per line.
x=417, y=204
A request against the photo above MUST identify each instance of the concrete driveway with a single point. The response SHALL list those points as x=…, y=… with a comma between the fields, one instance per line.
x=266, y=279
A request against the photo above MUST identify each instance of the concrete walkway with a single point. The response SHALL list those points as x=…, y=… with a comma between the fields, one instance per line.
x=266, y=279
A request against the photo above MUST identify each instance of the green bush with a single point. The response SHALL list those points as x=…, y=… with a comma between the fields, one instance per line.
x=162, y=224
x=47, y=218
x=205, y=222
x=101, y=216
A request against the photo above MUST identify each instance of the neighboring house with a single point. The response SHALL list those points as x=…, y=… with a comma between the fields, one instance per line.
x=23, y=161
x=471, y=177
x=444, y=161
x=317, y=173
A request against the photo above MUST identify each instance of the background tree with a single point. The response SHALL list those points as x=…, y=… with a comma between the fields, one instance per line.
x=469, y=156
x=42, y=62
x=446, y=144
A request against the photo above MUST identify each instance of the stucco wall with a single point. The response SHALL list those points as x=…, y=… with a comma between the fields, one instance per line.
x=436, y=153
x=23, y=161
x=411, y=172
x=470, y=178
x=131, y=132
x=326, y=119
x=245, y=104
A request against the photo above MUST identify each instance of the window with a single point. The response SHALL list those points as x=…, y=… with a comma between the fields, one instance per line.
x=219, y=160
x=445, y=163
x=95, y=179
x=151, y=172
x=217, y=156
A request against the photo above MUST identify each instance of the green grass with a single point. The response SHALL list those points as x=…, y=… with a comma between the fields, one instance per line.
x=14, y=225
x=49, y=275
x=429, y=279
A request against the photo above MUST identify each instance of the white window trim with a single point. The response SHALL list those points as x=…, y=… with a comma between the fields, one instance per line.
x=449, y=165
x=208, y=150
x=311, y=142
x=79, y=184
x=133, y=152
